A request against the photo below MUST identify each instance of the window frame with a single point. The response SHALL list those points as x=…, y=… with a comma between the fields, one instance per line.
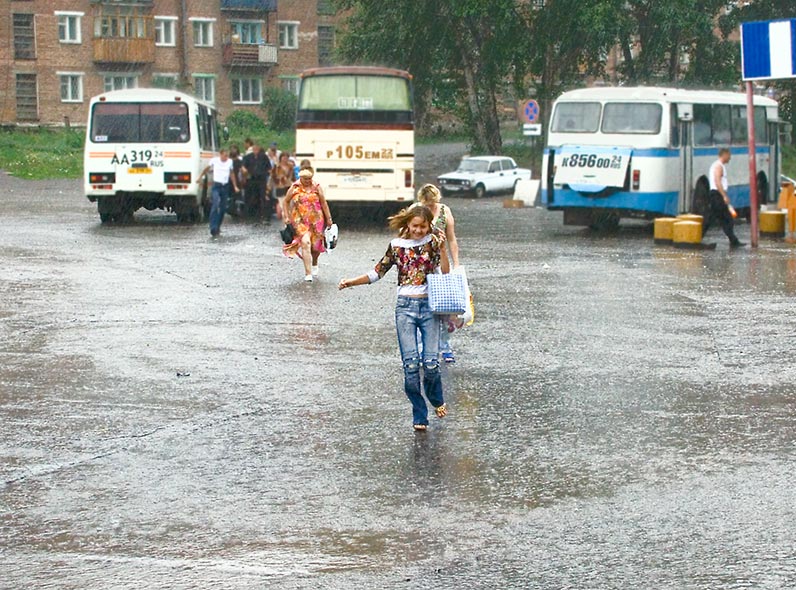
x=171, y=22
x=204, y=78
x=240, y=22
x=294, y=24
x=236, y=83
x=68, y=15
x=165, y=76
x=112, y=75
x=209, y=23
x=79, y=76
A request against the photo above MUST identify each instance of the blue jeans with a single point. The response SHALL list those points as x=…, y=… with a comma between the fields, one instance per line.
x=413, y=315
x=218, y=206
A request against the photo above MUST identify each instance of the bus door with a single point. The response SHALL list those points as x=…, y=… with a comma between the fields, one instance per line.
x=686, y=147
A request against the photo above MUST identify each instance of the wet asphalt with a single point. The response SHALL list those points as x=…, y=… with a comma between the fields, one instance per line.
x=180, y=412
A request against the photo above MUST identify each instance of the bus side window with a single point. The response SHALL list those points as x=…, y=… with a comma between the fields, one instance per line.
x=674, y=125
x=722, y=135
x=702, y=125
x=740, y=134
x=761, y=126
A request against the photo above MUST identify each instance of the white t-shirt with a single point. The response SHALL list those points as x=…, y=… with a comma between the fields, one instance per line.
x=712, y=175
x=221, y=170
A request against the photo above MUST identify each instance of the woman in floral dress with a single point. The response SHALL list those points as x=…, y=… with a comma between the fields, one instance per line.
x=307, y=211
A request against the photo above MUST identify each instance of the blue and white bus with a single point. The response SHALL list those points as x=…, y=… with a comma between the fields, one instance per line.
x=645, y=152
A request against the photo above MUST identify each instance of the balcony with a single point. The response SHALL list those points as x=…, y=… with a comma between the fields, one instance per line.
x=129, y=50
x=249, y=5
x=249, y=55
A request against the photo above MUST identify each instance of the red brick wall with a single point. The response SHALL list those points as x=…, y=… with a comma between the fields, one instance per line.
x=53, y=56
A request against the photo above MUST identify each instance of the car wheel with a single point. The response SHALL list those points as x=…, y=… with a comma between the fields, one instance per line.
x=480, y=191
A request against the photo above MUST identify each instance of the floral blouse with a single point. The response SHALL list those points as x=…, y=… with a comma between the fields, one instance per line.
x=415, y=260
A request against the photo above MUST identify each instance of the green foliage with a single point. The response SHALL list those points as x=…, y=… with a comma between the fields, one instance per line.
x=281, y=108
x=789, y=160
x=242, y=122
x=42, y=153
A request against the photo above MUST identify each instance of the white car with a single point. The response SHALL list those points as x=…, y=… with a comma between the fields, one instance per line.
x=482, y=175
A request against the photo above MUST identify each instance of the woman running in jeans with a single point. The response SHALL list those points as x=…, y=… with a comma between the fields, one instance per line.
x=417, y=253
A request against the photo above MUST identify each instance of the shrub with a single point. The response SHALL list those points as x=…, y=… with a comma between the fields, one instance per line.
x=281, y=108
x=245, y=123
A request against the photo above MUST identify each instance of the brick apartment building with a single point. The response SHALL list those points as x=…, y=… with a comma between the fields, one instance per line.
x=56, y=54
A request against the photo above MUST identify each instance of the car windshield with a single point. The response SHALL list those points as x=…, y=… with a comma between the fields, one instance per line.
x=468, y=165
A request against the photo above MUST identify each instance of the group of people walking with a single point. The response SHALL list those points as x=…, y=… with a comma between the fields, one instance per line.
x=250, y=184
x=425, y=234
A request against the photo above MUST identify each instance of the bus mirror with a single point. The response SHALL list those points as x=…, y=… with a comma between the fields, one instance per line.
x=225, y=133
x=685, y=112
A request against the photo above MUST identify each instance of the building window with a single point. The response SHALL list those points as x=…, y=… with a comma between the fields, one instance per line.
x=205, y=87
x=290, y=83
x=24, y=37
x=27, y=98
x=246, y=91
x=325, y=45
x=248, y=32
x=326, y=7
x=117, y=82
x=71, y=86
x=288, y=35
x=203, y=33
x=165, y=81
x=164, y=31
x=69, y=26
x=122, y=24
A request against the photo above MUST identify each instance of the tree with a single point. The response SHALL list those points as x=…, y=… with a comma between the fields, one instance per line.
x=471, y=44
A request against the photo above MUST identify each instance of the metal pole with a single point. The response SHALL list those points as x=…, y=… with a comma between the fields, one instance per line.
x=750, y=126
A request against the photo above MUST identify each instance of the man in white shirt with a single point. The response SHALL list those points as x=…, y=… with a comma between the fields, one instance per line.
x=719, y=200
x=221, y=166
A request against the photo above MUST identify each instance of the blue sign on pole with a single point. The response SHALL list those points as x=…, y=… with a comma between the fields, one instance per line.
x=768, y=49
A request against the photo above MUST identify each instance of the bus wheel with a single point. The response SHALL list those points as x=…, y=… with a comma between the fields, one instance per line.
x=701, y=200
x=604, y=222
x=106, y=209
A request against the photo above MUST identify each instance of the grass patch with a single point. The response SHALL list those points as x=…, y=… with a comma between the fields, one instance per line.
x=42, y=153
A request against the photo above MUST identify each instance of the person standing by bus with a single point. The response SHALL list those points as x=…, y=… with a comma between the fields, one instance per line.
x=223, y=176
x=306, y=209
x=443, y=224
x=257, y=167
x=719, y=208
x=417, y=252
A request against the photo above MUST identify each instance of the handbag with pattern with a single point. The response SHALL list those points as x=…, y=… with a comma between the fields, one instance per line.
x=447, y=293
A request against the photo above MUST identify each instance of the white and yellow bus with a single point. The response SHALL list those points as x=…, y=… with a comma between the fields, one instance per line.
x=356, y=126
x=645, y=152
x=145, y=148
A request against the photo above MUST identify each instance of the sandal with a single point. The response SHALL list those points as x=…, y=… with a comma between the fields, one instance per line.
x=441, y=411
x=420, y=427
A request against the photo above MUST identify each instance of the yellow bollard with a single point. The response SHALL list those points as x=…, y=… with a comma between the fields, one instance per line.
x=687, y=234
x=787, y=200
x=690, y=217
x=772, y=224
x=664, y=227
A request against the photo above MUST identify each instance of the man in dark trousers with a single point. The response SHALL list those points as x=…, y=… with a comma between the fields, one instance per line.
x=719, y=200
x=257, y=167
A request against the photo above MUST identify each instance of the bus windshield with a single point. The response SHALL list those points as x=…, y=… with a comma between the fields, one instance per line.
x=632, y=117
x=140, y=123
x=355, y=92
x=576, y=117
x=355, y=98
